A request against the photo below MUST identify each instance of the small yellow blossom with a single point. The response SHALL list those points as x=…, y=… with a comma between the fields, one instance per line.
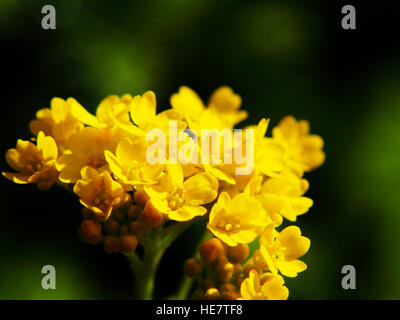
x=129, y=163
x=270, y=287
x=283, y=195
x=181, y=199
x=86, y=148
x=143, y=114
x=268, y=155
x=99, y=192
x=35, y=164
x=113, y=110
x=303, y=152
x=58, y=121
x=222, y=111
x=281, y=250
x=237, y=220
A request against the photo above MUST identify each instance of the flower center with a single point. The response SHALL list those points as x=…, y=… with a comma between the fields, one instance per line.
x=96, y=161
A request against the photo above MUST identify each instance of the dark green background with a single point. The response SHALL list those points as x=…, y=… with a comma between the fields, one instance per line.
x=282, y=57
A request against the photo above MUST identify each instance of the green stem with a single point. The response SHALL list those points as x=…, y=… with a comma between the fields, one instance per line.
x=154, y=244
x=187, y=282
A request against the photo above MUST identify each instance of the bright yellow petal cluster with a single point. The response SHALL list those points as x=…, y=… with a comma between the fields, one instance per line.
x=237, y=220
x=99, y=192
x=181, y=199
x=57, y=121
x=302, y=151
x=281, y=250
x=270, y=287
x=34, y=164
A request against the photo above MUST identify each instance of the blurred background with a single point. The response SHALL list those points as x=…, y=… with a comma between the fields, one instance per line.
x=282, y=57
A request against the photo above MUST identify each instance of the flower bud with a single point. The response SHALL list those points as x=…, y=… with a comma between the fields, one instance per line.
x=238, y=253
x=151, y=217
x=237, y=268
x=127, y=243
x=137, y=228
x=111, y=244
x=123, y=229
x=211, y=250
x=209, y=283
x=224, y=270
x=141, y=197
x=229, y=295
x=134, y=212
x=212, y=294
x=193, y=267
x=226, y=287
x=111, y=226
x=90, y=231
x=118, y=215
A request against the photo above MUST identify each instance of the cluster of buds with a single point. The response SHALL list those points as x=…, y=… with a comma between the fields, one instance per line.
x=220, y=272
x=122, y=230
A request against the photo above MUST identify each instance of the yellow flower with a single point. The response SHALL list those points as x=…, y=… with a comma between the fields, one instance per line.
x=283, y=195
x=222, y=111
x=35, y=164
x=270, y=287
x=281, y=250
x=58, y=121
x=303, y=152
x=129, y=164
x=99, y=192
x=268, y=155
x=237, y=220
x=113, y=110
x=182, y=200
x=226, y=104
x=86, y=148
x=143, y=114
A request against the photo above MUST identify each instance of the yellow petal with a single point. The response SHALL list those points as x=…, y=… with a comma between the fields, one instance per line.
x=143, y=109
x=200, y=189
x=291, y=268
x=83, y=115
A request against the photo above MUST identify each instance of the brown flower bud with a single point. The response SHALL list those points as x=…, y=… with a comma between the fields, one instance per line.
x=123, y=229
x=151, y=217
x=111, y=226
x=118, y=215
x=127, y=243
x=229, y=295
x=141, y=197
x=237, y=268
x=209, y=283
x=193, y=267
x=212, y=294
x=224, y=270
x=134, y=212
x=227, y=287
x=238, y=253
x=90, y=231
x=211, y=250
x=137, y=228
x=111, y=244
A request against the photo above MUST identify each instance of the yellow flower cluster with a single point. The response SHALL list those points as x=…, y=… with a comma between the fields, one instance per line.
x=103, y=159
